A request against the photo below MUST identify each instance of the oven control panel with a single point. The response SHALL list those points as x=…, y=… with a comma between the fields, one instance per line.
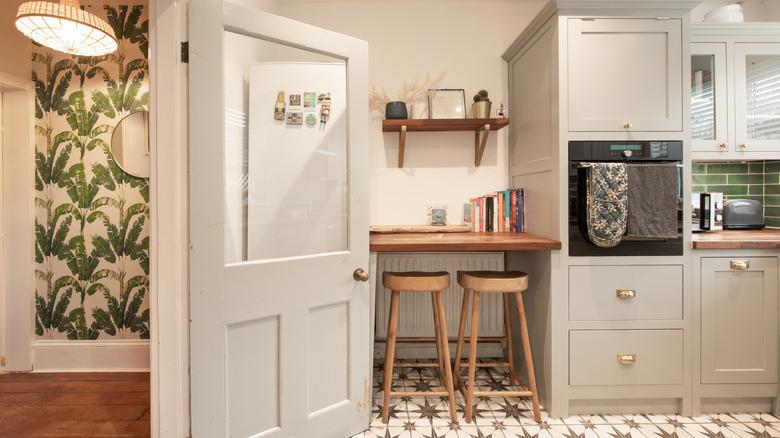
x=625, y=150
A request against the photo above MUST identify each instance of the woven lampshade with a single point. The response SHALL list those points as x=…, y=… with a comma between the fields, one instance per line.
x=65, y=27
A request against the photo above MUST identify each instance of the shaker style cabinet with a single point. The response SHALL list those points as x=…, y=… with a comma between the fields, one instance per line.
x=735, y=92
x=625, y=74
x=739, y=320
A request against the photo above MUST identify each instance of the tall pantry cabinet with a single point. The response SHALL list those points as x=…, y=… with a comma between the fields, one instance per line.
x=615, y=71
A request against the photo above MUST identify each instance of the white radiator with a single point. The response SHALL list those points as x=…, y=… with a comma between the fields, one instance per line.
x=415, y=314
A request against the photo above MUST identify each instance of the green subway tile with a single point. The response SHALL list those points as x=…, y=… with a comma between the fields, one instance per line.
x=756, y=167
x=772, y=189
x=699, y=168
x=772, y=221
x=745, y=179
x=755, y=190
x=772, y=167
x=772, y=178
x=772, y=200
x=717, y=179
x=729, y=190
x=699, y=179
x=772, y=211
x=727, y=168
x=698, y=188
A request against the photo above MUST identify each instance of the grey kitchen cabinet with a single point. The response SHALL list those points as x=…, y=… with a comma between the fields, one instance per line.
x=739, y=319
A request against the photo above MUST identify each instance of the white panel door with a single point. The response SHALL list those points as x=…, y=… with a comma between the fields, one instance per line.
x=280, y=328
x=757, y=96
x=625, y=74
x=739, y=320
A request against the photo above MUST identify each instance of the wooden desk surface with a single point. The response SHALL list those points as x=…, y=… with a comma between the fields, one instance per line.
x=452, y=242
x=768, y=238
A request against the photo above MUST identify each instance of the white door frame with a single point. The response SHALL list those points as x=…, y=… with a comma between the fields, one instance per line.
x=17, y=225
x=169, y=365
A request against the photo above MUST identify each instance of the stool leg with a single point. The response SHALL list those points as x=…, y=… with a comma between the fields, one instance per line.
x=472, y=357
x=436, y=325
x=529, y=362
x=392, y=326
x=508, y=334
x=461, y=331
x=446, y=350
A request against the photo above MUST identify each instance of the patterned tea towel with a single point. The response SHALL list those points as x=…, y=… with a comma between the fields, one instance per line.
x=607, y=203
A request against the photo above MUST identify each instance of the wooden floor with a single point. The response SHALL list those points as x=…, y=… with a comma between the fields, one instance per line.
x=65, y=405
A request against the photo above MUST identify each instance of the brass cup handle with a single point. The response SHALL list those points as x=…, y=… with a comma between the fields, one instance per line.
x=625, y=294
x=627, y=359
x=360, y=275
x=628, y=125
x=740, y=265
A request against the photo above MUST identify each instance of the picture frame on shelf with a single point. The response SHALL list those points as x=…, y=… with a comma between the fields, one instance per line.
x=447, y=103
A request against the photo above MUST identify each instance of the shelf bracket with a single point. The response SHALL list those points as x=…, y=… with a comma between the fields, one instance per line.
x=401, y=145
x=479, y=146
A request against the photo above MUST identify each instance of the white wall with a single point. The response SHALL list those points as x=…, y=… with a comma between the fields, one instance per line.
x=754, y=10
x=407, y=41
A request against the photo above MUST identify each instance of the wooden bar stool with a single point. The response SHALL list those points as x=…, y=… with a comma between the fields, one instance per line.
x=435, y=283
x=475, y=283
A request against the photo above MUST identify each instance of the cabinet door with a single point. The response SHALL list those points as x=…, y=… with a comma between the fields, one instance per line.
x=757, y=96
x=625, y=74
x=709, y=101
x=739, y=320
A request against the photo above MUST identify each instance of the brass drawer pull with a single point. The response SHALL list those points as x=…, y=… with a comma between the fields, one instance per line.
x=627, y=359
x=625, y=294
x=740, y=265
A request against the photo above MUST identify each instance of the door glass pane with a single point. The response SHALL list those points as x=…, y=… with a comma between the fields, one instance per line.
x=703, y=97
x=286, y=186
x=763, y=96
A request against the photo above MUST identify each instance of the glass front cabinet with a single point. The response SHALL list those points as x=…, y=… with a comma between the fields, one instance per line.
x=735, y=92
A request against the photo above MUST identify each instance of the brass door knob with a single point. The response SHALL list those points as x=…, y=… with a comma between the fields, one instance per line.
x=360, y=275
x=628, y=125
x=743, y=146
x=724, y=146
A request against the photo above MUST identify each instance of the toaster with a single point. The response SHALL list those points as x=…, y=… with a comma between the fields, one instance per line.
x=743, y=214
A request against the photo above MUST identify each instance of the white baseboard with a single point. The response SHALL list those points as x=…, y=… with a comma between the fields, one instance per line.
x=80, y=356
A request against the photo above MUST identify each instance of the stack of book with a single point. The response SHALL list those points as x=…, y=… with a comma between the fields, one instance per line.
x=503, y=211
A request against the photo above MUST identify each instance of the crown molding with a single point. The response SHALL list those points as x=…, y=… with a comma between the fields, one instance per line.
x=736, y=29
x=607, y=5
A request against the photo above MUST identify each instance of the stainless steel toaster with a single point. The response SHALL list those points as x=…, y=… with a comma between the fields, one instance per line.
x=743, y=214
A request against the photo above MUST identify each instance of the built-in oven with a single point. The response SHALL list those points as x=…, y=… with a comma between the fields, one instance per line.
x=583, y=152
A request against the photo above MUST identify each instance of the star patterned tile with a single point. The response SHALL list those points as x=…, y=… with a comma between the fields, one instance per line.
x=501, y=417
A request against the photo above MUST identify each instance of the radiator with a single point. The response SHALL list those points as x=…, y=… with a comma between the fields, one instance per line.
x=415, y=314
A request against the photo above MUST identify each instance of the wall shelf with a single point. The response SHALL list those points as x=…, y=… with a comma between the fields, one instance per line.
x=478, y=126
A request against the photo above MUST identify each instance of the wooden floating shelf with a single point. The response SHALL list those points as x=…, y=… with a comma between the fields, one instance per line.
x=478, y=126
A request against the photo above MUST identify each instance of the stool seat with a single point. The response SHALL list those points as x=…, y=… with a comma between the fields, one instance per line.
x=415, y=281
x=493, y=281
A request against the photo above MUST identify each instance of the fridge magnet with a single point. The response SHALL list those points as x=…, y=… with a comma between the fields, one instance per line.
x=324, y=113
x=310, y=101
x=323, y=98
x=294, y=100
x=311, y=119
x=279, y=107
x=294, y=118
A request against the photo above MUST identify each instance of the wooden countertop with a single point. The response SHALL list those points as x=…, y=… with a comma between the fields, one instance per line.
x=447, y=242
x=768, y=238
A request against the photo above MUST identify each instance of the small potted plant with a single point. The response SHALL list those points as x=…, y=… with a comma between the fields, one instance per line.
x=481, y=106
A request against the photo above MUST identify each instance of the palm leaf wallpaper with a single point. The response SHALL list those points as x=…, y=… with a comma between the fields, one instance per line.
x=92, y=219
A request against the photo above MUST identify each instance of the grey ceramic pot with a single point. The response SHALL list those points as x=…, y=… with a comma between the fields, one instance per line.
x=396, y=110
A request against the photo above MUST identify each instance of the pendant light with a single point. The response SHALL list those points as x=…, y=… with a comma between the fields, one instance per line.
x=64, y=26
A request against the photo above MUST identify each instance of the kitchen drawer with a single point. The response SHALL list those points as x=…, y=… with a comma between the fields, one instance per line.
x=593, y=357
x=620, y=293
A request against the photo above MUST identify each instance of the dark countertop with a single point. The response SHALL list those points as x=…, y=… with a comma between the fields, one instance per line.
x=452, y=242
x=768, y=238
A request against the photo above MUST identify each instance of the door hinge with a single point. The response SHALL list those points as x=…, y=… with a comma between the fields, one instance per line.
x=185, y=51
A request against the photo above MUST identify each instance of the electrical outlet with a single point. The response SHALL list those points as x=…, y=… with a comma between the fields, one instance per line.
x=429, y=207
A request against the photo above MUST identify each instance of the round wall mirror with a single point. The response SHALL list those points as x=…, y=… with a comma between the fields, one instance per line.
x=130, y=144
